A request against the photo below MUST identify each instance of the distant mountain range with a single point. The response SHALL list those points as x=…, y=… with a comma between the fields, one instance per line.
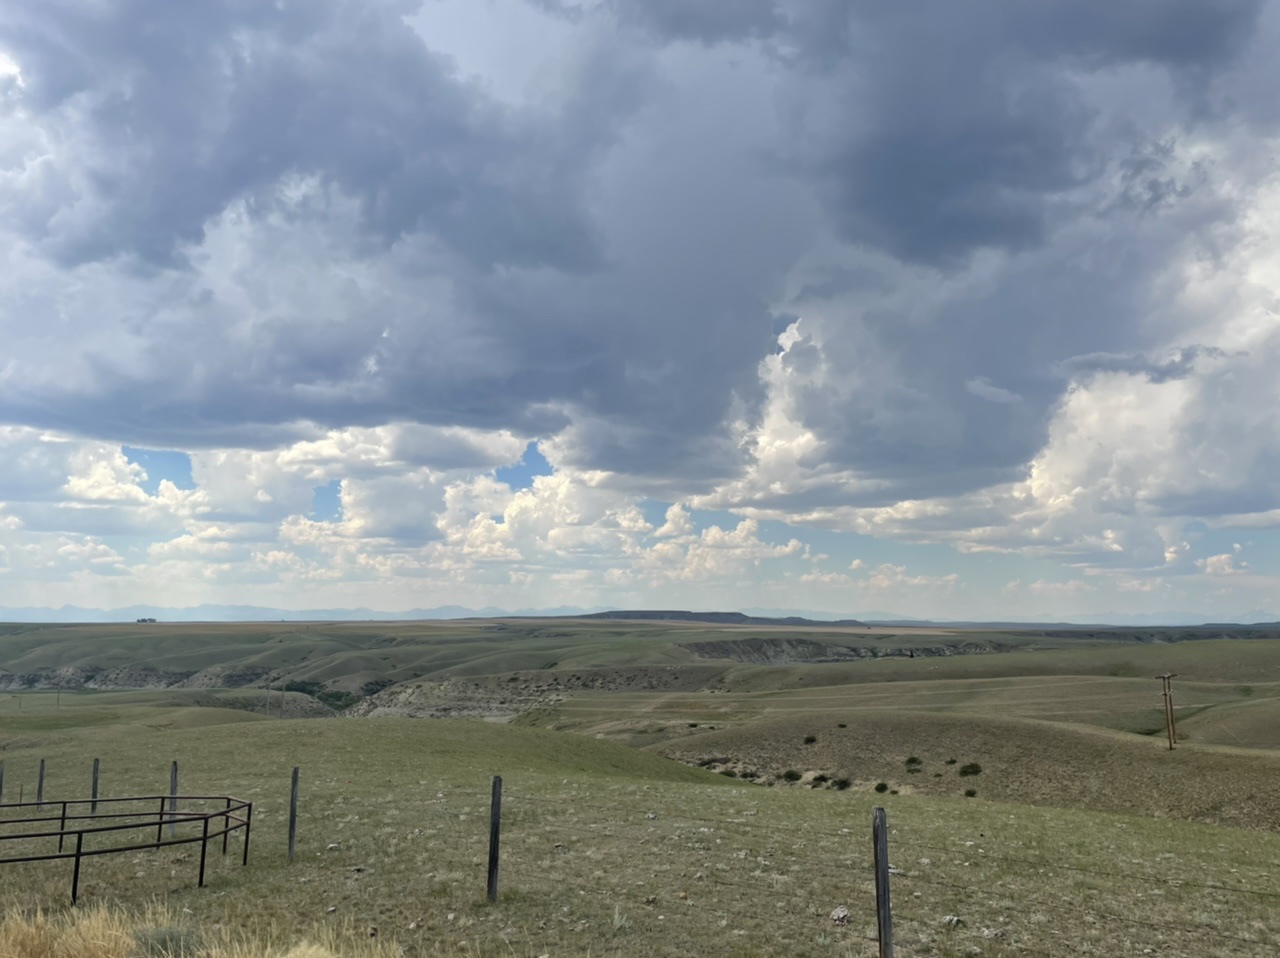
x=753, y=616
x=257, y=613
x=718, y=618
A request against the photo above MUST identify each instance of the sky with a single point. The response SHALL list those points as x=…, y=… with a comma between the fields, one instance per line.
x=949, y=310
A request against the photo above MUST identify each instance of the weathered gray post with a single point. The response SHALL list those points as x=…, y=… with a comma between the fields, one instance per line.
x=173, y=796
x=93, y=808
x=495, y=827
x=884, y=915
x=1, y=781
x=40, y=785
x=293, y=813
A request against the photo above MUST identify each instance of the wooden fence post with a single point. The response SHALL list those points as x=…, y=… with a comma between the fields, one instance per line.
x=40, y=786
x=1, y=781
x=293, y=813
x=495, y=827
x=884, y=914
x=173, y=796
x=93, y=808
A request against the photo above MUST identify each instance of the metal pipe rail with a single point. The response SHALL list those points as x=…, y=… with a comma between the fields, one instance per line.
x=235, y=815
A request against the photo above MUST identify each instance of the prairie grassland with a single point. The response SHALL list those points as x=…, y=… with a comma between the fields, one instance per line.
x=1208, y=712
x=1082, y=838
x=1021, y=760
x=1233, y=660
x=614, y=851
x=1050, y=740
x=348, y=655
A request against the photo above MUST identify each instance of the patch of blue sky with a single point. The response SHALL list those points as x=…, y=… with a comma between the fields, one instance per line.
x=654, y=511
x=1258, y=547
x=520, y=475
x=161, y=464
x=326, y=502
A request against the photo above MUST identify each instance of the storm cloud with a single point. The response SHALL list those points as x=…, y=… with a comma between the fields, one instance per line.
x=798, y=259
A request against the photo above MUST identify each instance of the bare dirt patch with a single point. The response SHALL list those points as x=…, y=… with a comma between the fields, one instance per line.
x=512, y=693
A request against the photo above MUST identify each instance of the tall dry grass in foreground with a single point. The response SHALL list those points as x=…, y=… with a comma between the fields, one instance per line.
x=103, y=933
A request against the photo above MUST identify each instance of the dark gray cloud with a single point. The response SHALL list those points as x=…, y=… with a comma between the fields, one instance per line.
x=706, y=21
x=950, y=128
x=183, y=109
x=904, y=387
x=1178, y=366
x=368, y=239
x=267, y=220
x=963, y=127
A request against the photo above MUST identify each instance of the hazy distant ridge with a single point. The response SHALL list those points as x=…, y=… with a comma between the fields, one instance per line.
x=784, y=617
x=718, y=618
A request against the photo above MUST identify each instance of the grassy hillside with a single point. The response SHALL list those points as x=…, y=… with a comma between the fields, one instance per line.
x=1083, y=835
x=354, y=653
x=1020, y=761
x=613, y=851
x=348, y=656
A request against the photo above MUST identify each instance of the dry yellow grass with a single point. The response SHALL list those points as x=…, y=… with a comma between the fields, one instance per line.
x=105, y=933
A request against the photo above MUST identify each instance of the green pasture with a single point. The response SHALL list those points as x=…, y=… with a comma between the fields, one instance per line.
x=723, y=810
x=610, y=850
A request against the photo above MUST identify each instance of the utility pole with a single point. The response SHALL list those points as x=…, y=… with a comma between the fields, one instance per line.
x=1170, y=725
